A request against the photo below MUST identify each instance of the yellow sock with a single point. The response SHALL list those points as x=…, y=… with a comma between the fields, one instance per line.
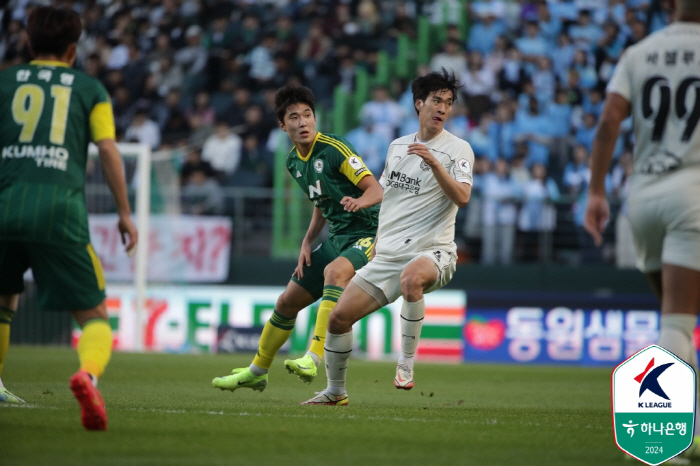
x=95, y=346
x=6, y=316
x=330, y=299
x=277, y=330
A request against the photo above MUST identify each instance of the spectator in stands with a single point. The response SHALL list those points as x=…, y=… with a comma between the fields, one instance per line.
x=588, y=78
x=370, y=145
x=235, y=113
x=562, y=57
x=261, y=61
x=559, y=114
x=122, y=108
x=193, y=162
x=202, y=195
x=384, y=112
x=533, y=127
x=286, y=37
x=576, y=172
x=143, y=130
x=543, y=80
x=502, y=132
x=593, y=102
x=494, y=60
x=451, y=58
x=550, y=25
x=484, y=33
x=201, y=113
x=518, y=168
x=223, y=149
x=585, y=33
x=479, y=138
x=609, y=46
x=586, y=132
x=479, y=84
x=171, y=118
x=499, y=210
x=313, y=49
x=193, y=57
x=254, y=124
x=531, y=45
x=513, y=74
x=167, y=75
x=537, y=213
x=248, y=35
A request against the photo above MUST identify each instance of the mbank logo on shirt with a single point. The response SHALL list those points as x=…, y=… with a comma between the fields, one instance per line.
x=400, y=180
x=649, y=381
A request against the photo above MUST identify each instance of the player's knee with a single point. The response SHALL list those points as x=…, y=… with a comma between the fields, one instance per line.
x=411, y=287
x=339, y=323
x=286, y=307
x=337, y=275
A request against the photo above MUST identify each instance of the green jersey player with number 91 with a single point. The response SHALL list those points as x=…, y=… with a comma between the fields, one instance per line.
x=48, y=115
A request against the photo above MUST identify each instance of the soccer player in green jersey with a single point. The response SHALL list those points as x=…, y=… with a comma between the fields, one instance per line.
x=48, y=115
x=345, y=195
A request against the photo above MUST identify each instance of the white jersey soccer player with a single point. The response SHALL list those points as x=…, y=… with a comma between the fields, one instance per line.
x=427, y=177
x=658, y=82
x=416, y=218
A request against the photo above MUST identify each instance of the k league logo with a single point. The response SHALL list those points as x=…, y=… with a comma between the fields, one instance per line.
x=653, y=403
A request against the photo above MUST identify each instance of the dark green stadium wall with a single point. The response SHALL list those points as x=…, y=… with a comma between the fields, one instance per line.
x=535, y=277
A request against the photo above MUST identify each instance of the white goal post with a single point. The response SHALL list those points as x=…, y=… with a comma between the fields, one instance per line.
x=142, y=183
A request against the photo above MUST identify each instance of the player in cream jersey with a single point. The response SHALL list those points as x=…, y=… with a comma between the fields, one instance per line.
x=415, y=213
x=427, y=177
x=658, y=82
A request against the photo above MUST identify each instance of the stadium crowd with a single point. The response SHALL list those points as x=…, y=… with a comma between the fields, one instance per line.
x=199, y=76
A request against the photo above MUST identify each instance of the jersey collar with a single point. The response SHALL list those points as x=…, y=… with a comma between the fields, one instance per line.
x=311, y=151
x=48, y=63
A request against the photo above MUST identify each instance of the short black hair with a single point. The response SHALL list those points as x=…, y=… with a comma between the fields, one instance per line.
x=434, y=81
x=51, y=30
x=292, y=94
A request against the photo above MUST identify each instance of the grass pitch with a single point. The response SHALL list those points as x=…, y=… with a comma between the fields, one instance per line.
x=163, y=411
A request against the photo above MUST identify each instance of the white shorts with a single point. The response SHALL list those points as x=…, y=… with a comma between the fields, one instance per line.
x=665, y=220
x=381, y=277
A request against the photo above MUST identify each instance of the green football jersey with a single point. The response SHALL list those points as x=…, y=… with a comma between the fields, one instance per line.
x=48, y=115
x=327, y=174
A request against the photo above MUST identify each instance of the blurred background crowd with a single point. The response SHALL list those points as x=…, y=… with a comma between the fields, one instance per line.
x=197, y=78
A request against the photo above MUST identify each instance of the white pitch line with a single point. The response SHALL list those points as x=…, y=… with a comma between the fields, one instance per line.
x=489, y=422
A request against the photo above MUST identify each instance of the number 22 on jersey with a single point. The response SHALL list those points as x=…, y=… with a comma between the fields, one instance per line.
x=28, y=106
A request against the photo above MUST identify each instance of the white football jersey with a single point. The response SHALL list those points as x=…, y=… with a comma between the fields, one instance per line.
x=660, y=77
x=415, y=213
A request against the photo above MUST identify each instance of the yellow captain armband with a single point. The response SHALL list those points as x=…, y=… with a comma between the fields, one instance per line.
x=354, y=169
x=102, y=122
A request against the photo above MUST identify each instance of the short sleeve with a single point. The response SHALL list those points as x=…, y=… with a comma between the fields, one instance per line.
x=386, y=164
x=101, y=116
x=621, y=81
x=464, y=161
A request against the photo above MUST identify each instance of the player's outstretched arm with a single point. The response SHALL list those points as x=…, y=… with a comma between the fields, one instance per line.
x=372, y=195
x=597, y=213
x=316, y=225
x=456, y=191
x=114, y=174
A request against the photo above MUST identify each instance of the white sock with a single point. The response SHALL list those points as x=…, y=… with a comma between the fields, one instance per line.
x=677, y=336
x=257, y=370
x=93, y=379
x=337, y=352
x=412, y=315
x=314, y=356
x=1, y=385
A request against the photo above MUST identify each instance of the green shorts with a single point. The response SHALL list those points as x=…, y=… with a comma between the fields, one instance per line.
x=69, y=278
x=356, y=249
